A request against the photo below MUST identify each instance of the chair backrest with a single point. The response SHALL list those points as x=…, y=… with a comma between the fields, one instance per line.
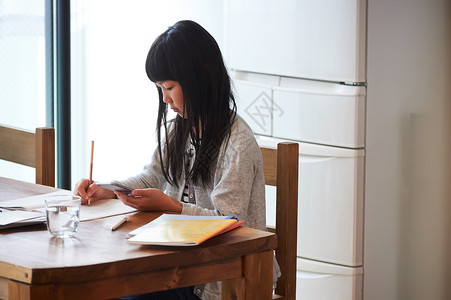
x=281, y=167
x=33, y=149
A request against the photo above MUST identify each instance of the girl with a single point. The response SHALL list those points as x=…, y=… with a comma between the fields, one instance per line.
x=207, y=161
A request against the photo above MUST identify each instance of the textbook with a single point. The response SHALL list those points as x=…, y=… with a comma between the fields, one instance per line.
x=165, y=217
x=182, y=230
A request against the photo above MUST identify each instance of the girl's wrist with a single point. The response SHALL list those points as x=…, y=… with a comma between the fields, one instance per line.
x=177, y=206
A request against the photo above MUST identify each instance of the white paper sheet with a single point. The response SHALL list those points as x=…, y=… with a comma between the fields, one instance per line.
x=9, y=217
x=98, y=209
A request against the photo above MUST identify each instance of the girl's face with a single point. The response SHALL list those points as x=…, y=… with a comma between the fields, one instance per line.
x=172, y=95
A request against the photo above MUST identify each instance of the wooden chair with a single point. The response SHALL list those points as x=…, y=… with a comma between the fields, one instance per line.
x=281, y=170
x=34, y=149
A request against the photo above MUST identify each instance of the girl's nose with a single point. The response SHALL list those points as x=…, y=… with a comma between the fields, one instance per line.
x=166, y=98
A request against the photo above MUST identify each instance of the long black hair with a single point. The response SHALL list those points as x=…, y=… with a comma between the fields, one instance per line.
x=188, y=54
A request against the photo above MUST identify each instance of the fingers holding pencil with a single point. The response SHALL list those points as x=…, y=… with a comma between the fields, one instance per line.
x=86, y=191
x=91, y=191
x=86, y=188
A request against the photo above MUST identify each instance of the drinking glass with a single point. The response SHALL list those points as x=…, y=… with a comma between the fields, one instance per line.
x=63, y=215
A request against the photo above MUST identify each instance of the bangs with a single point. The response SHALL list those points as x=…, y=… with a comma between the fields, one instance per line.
x=158, y=66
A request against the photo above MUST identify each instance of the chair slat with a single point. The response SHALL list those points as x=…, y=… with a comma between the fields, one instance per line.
x=17, y=145
x=269, y=165
x=33, y=149
x=45, y=156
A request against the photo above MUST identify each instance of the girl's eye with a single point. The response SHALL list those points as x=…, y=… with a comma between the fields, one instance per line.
x=170, y=88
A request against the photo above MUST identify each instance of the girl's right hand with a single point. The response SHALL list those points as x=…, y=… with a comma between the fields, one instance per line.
x=91, y=191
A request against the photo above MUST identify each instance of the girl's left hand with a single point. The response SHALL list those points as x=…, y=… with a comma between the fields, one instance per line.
x=150, y=200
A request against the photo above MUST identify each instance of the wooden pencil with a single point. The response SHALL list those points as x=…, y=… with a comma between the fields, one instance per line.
x=90, y=171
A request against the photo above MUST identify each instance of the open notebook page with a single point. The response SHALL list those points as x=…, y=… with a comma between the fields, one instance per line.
x=98, y=209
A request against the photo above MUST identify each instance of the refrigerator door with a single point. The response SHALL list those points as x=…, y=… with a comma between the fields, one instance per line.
x=303, y=110
x=330, y=215
x=330, y=208
x=292, y=38
x=322, y=281
x=254, y=98
x=320, y=112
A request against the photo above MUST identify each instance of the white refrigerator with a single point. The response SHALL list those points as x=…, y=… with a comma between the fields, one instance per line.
x=299, y=72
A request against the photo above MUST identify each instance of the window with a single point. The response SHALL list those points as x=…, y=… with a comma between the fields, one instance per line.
x=113, y=101
x=22, y=72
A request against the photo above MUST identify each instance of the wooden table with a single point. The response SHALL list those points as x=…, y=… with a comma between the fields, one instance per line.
x=99, y=264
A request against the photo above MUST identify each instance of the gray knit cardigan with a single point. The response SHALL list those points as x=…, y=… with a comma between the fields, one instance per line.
x=238, y=187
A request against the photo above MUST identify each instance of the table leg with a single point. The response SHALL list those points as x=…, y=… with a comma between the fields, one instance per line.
x=21, y=291
x=256, y=282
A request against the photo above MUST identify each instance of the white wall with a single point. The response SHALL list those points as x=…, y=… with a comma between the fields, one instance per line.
x=408, y=178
